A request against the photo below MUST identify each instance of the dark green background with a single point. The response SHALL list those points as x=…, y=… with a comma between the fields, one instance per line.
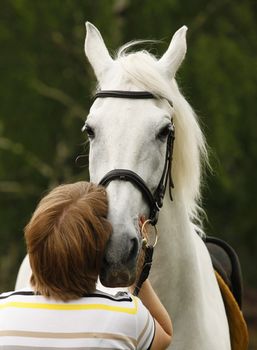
x=45, y=93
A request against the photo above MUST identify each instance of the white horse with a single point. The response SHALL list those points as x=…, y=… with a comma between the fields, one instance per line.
x=131, y=134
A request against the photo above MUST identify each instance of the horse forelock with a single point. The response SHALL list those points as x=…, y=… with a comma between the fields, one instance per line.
x=141, y=69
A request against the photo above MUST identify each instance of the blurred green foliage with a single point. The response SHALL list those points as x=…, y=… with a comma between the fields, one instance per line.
x=45, y=91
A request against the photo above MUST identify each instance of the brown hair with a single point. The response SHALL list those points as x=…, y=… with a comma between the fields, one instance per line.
x=66, y=239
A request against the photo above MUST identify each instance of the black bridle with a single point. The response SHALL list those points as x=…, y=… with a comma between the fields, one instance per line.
x=155, y=200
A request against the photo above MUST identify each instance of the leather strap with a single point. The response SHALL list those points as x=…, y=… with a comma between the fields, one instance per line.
x=145, y=270
x=155, y=201
x=131, y=176
x=124, y=94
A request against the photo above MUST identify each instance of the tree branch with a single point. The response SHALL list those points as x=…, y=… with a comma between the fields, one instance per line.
x=59, y=96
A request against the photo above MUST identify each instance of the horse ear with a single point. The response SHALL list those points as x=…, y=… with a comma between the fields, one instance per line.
x=173, y=57
x=96, y=51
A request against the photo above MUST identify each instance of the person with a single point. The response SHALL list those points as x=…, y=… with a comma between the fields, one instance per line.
x=66, y=239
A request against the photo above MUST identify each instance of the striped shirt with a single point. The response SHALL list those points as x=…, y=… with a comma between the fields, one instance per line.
x=96, y=321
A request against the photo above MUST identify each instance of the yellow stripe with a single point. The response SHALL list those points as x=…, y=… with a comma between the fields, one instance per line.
x=71, y=307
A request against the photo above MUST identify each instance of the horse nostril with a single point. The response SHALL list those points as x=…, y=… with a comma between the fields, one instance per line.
x=133, y=249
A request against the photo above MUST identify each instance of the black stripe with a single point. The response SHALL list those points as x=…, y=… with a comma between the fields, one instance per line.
x=17, y=293
x=120, y=296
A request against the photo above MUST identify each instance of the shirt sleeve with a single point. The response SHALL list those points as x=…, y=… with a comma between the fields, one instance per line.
x=145, y=327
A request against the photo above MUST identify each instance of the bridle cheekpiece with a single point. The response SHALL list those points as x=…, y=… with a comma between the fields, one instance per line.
x=155, y=200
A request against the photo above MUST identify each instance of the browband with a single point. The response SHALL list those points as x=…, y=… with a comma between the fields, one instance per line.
x=124, y=94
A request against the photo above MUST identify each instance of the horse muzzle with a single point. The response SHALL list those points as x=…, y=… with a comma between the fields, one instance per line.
x=117, y=275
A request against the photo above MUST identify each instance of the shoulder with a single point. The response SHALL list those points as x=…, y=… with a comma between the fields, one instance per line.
x=145, y=326
x=130, y=316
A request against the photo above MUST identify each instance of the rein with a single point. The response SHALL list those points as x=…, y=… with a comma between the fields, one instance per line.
x=155, y=200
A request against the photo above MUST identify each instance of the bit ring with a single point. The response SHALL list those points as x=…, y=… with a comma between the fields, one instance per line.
x=146, y=237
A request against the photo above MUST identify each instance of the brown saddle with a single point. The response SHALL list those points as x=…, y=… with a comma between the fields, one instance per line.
x=229, y=277
x=226, y=262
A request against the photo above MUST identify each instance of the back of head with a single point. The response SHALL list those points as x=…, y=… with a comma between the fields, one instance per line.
x=66, y=239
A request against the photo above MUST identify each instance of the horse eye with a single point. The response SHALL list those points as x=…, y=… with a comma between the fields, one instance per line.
x=164, y=132
x=90, y=131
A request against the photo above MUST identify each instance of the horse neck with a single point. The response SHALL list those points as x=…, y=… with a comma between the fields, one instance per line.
x=181, y=262
x=176, y=251
x=183, y=277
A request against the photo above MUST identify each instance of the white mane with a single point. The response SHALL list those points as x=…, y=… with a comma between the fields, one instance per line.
x=140, y=69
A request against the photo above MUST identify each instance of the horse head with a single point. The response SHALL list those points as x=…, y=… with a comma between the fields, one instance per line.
x=129, y=134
